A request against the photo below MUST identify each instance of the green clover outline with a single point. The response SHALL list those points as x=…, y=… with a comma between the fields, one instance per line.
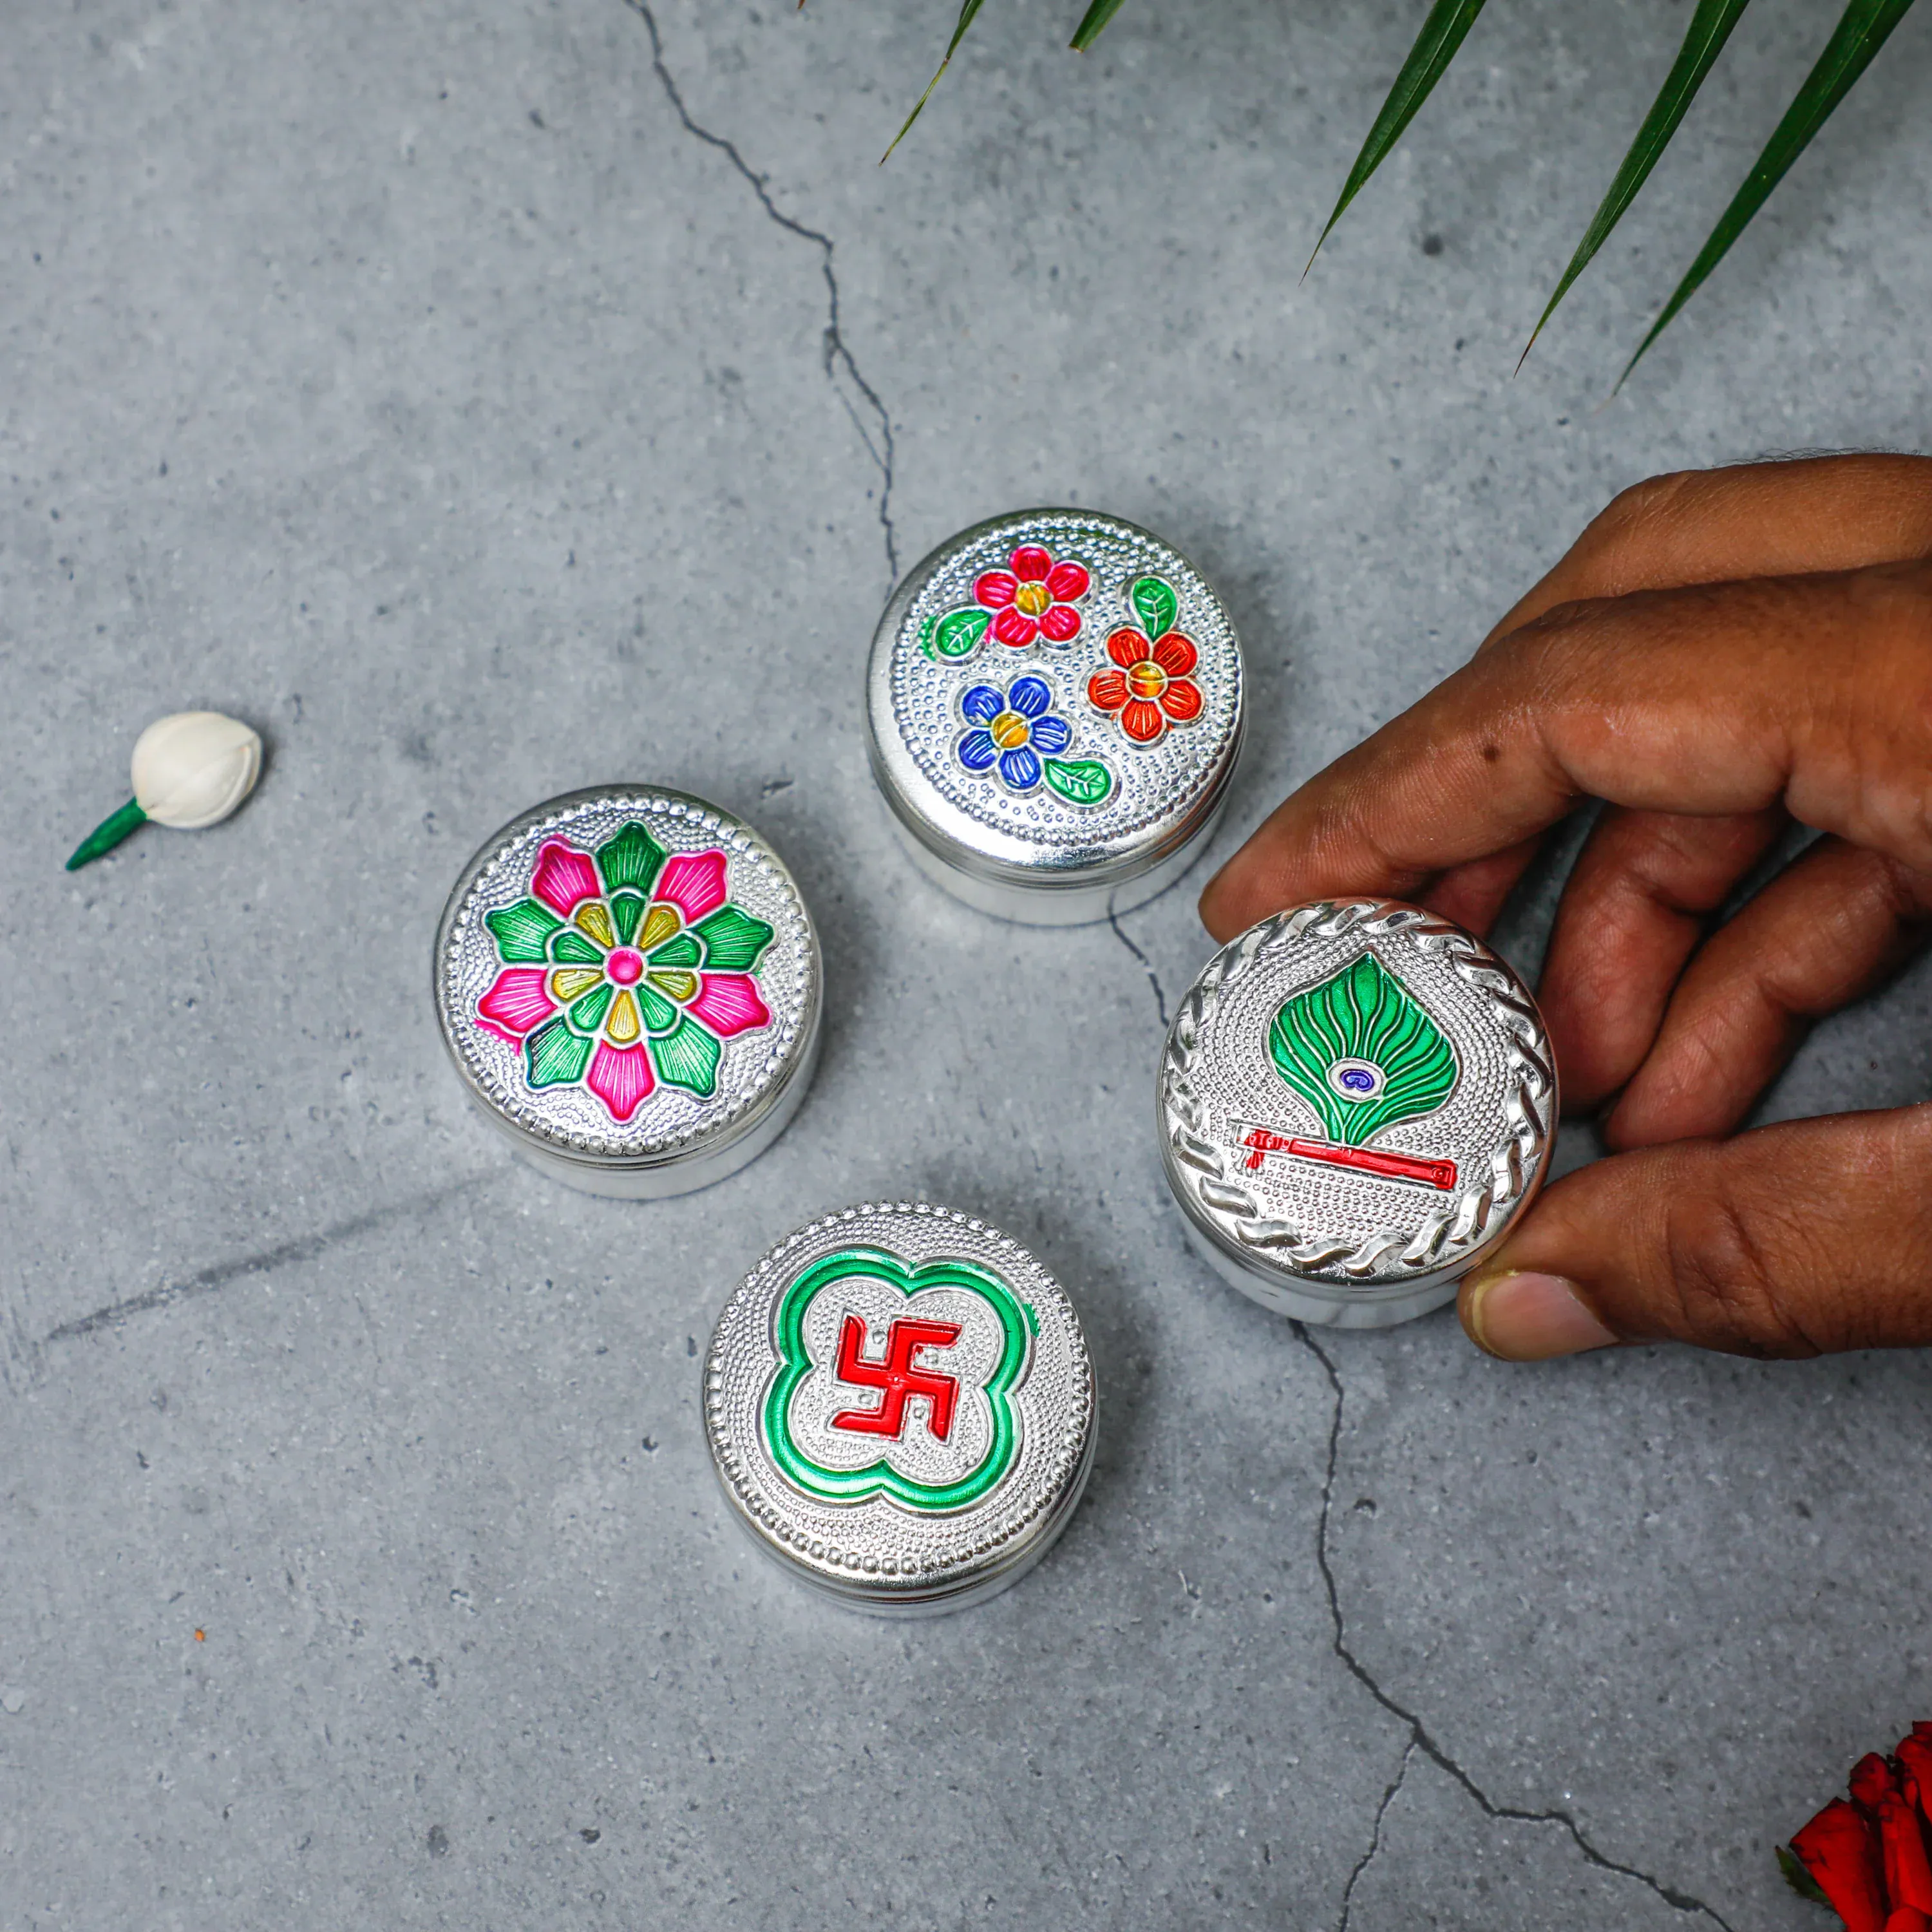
x=881, y=1478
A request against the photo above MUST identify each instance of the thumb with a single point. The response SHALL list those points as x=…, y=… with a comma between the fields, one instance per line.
x=1794, y=1240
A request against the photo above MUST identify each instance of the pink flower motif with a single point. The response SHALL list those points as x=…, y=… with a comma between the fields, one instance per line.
x=624, y=970
x=1034, y=597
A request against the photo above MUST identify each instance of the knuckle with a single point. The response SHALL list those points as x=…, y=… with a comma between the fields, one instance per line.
x=1725, y=1280
x=1628, y=522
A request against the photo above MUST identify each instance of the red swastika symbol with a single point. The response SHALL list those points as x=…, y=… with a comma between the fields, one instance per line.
x=897, y=1377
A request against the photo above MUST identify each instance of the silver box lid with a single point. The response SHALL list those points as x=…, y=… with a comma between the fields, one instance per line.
x=628, y=984
x=1054, y=703
x=901, y=1408
x=1356, y=1101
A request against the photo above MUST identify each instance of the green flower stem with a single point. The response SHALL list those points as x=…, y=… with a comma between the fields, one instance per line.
x=108, y=834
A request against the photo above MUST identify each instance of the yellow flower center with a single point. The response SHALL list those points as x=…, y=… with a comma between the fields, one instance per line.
x=1146, y=680
x=1010, y=730
x=1032, y=599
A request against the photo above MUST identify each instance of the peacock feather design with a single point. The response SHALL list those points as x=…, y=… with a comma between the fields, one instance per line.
x=1361, y=1050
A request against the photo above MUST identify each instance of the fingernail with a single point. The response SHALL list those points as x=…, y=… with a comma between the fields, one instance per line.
x=1529, y=1318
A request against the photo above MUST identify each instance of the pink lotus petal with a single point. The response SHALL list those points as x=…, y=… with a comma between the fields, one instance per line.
x=564, y=876
x=517, y=1003
x=728, y=1003
x=621, y=1077
x=694, y=882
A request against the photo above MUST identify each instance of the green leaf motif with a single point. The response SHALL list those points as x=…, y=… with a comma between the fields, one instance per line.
x=522, y=932
x=957, y=634
x=632, y=858
x=1093, y=22
x=688, y=1056
x=1704, y=40
x=1155, y=605
x=1363, y=1013
x=1799, y=1879
x=555, y=1056
x=587, y=1016
x=1079, y=780
x=1442, y=33
x=733, y=939
x=1862, y=29
x=570, y=948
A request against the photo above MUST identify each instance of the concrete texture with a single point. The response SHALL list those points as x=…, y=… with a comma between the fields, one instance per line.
x=489, y=399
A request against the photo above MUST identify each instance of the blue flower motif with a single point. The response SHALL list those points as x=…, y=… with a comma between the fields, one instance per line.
x=1013, y=730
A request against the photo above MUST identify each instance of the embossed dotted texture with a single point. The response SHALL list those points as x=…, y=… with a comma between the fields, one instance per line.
x=1315, y=1220
x=754, y=1064
x=880, y=1548
x=1155, y=785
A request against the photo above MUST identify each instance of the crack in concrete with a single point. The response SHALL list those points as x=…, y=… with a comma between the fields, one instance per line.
x=1421, y=1739
x=1368, y=1857
x=838, y=355
x=303, y=1248
x=1146, y=966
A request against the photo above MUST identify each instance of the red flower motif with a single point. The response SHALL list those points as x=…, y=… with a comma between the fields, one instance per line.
x=1150, y=689
x=1870, y=1857
x=1033, y=597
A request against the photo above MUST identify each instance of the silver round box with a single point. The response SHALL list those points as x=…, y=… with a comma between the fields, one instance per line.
x=901, y=1408
x=1356, y=1102
x=1055, y=705
x=628, y=984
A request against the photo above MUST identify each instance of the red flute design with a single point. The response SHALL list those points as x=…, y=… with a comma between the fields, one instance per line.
x=1437, y=1173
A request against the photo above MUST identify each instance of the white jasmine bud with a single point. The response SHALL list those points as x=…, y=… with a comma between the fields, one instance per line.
x=189, y=770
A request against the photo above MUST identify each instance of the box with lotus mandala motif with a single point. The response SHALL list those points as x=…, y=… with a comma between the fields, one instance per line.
x=900, y=1407
x=1054, y=704
x=628, y=984
x=1356, y=1102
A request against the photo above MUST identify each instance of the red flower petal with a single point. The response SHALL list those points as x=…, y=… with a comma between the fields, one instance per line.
x=1915, y=1760
x=1871, y=1778
x=1905, y=1919
x=1066, y=581
x=516, y=1003
x=728, y=1003
x=1142, y=721
x=564, y=876
x=694, y=882
x=1175, y=654
x=1060, y=622
x=996, y=589
x=1030, y=563
x=1014, y=627
x=1128, y=648
x=1181, y=701
x=621, y=1077
x=1107, y=689
x=1908, y=1871
x=1839, y=1848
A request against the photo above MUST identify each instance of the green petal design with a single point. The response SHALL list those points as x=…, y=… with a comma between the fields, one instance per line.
x=732, y=940
x=570, y=948
x=681, y=951
x=555, y=1055
x=632, y=858
x=626, y=909
x=660, y=1016
x=688, y=1056
x=1155, y=605
x=1364, y=1012
x=956, y=635
x=521, y=931
x=587, y=1015
x=1080, y=781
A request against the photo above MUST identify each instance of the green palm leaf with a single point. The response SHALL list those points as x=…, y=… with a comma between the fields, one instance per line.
x=967, y=9
x=1096, y=17
x=1704, y=40
x=1860, y=33
x=1442, y=33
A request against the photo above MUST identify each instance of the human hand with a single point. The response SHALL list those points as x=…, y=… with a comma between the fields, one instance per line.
x=1721, y=653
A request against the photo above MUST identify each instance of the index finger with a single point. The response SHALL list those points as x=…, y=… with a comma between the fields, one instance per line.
x=1716, y=698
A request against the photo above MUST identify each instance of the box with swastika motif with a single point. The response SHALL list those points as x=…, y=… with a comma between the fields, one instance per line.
x=900, y=1407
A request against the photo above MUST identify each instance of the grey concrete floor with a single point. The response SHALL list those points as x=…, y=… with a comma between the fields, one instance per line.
x=488, y=399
